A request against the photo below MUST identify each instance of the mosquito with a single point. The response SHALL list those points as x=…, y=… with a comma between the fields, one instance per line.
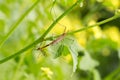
x=54, y=41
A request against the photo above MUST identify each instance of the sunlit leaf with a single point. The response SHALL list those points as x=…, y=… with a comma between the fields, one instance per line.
x=68, y=43
x=74, y=56
x=74, y=48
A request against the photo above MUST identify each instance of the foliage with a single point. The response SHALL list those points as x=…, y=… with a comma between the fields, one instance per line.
x=88, y=50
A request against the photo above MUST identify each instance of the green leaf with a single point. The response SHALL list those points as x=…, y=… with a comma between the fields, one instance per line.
x=68, y=44
x=87, y=63
x=56, y=49
x=74, y=48
x=59, y=51
x=74, y=56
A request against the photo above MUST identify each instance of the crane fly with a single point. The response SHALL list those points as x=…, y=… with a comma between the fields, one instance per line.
x=58, y=39
x=55, y=41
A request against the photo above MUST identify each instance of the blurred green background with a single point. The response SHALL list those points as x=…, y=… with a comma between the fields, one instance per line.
x=98, y=58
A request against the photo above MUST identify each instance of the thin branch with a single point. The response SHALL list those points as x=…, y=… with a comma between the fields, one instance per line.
x=97, y=24
x=85, y=28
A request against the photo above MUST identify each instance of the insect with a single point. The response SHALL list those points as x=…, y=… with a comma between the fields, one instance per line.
x=55, y=41
x=58, y=39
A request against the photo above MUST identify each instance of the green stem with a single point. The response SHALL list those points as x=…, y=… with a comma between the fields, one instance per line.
x=85, y=28
x=41, y=38
x=97, y=24
x=15, y=25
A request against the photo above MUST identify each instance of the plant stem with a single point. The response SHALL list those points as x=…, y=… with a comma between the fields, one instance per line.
x=85, y=28
x=15, y=25
x=40, y=39
x=97, y=24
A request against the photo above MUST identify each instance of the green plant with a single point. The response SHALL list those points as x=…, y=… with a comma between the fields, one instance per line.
x=87, y=62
